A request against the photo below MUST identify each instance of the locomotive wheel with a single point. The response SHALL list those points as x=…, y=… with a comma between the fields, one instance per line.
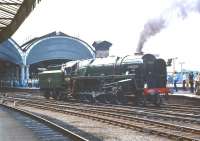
x=157, y=100
x=54, y=95
x=108, y=98
x=90, y=99
x=64, y=97
x=60, y=96
x=112, y=99
x=141, y=101
x=82, y=98
x=46, y=94
x=122, y=99
x=85, y=98
x=101, y=99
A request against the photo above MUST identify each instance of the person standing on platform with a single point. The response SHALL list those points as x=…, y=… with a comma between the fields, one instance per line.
x=184, y=82
x=197, y=83
x=191, y=81
x=175, y=82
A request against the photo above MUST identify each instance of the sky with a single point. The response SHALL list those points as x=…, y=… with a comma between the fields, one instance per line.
x=121, y=22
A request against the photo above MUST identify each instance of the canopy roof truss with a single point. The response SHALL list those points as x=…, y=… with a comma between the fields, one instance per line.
x=12, y=15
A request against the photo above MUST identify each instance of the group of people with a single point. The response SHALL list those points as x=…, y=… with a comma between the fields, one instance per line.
x=190, y=81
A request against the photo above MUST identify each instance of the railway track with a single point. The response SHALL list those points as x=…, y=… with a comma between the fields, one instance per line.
x=143, y=112
x=184, y=108
x=152, y=113
x=189, y=110
x=166, y=113
x=43, y=128
x=137, y=123
x=193, y=113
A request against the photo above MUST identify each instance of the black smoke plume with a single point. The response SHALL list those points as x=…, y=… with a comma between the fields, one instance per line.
x=178, y=9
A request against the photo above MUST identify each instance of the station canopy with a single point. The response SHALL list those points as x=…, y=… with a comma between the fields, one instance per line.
x=12, y=15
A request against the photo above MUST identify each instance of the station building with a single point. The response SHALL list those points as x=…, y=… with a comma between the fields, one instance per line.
x=19, y=64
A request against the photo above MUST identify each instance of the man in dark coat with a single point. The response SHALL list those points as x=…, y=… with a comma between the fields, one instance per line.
x=191, y=81
x=175, y=82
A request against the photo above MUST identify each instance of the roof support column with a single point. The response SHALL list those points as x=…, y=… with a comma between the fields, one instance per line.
x=28, y=84
x=22, y=77
x=27, y=72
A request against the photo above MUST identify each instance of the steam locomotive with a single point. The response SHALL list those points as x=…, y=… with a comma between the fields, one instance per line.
x=136, y=79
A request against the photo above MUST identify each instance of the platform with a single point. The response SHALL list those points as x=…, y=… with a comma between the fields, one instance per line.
x=184, y=97
x=12, y=130
x=21, y=89
x=185, y=93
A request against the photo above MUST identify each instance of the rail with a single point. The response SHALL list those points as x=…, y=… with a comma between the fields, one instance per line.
x=159, y=128
x=50, y=124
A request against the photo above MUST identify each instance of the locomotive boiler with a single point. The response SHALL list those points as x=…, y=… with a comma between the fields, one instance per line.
x=130, y=79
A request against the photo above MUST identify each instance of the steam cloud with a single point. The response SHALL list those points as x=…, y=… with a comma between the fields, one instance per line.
x=178, y=9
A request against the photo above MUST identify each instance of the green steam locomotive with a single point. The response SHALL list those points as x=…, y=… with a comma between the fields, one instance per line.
x=136, y=79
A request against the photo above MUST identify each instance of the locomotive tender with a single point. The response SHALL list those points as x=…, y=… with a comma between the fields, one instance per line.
x=136, y=79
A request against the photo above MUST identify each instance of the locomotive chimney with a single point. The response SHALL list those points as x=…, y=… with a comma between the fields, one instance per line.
x=139, y=53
